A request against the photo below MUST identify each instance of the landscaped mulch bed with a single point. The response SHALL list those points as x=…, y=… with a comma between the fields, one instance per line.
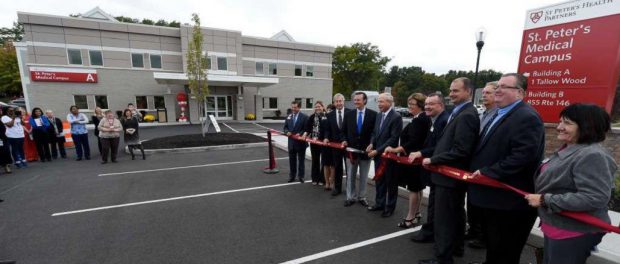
x=196, y=140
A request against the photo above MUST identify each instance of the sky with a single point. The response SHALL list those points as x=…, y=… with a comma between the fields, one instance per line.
x=437, y=35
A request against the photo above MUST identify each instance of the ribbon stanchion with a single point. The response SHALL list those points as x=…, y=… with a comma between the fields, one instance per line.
x=272, y=157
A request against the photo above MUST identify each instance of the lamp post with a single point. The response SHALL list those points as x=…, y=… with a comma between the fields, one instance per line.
x=480, y=35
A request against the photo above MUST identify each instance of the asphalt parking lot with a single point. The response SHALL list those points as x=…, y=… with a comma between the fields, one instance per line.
x=204, y=207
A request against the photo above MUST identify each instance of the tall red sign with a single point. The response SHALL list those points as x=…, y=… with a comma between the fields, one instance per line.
x=42, y=74
x=571, y=54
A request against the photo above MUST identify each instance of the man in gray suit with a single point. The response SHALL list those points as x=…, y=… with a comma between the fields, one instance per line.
x=295, y=124
x=386, y=132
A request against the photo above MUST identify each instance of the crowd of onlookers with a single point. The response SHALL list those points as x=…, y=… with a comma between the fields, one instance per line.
x=506, y=142
x=40, y=136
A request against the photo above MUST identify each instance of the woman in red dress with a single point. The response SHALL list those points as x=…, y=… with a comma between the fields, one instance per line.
x=30, y=148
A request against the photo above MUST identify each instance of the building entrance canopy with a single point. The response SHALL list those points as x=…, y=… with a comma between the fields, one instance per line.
x=216, y=79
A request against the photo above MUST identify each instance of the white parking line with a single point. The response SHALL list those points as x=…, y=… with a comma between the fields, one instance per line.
x=173, y=199
x=234, y=130
x=262, y=126
x=186, y=167
x=352, y=246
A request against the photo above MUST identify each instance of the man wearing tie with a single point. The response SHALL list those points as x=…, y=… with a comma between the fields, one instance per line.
x=510, y=149
x=295, y=124
x=454, y=149
x=386, y=133
x=357, y=128
x=333, y=133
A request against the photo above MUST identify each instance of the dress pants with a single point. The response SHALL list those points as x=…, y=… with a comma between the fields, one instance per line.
x=58, y=144
x=338, y=156
x=450, y=222
x=81, y=145
x=506, y=233
x=42, y=144
x=317, y=176
x=474, y=219
x=428, y=228
x=296, y=160
x=109, y=146
x=359, y=193
x=387, y=186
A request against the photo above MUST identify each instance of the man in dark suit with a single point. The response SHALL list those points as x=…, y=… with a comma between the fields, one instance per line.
x=356, y=130
x=434, y=107
x=295, y=124
x=386, y=133
x=510, y=148
x=333, y=133
x=453, y=149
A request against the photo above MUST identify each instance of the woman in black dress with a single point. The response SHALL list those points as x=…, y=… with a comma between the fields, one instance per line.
x=5, y=151
x=412, y=139
x=313, y=128
x=131, y=133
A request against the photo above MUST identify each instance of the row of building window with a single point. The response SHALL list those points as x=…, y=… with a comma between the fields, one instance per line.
x=96, y=58
x=264, y=68
x=272, y=102
x=101, y=101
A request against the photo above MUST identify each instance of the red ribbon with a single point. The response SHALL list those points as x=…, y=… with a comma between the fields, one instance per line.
x=462, y=176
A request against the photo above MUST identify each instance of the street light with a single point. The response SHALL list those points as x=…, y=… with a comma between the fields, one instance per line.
x=480, y=35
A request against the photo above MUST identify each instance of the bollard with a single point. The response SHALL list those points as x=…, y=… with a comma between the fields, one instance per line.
x=272, y=159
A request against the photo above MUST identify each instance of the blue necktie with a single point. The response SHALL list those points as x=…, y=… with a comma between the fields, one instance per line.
x=294, y=119
x=359, y=122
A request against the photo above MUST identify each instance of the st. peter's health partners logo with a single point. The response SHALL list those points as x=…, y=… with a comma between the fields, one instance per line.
x=536, y=16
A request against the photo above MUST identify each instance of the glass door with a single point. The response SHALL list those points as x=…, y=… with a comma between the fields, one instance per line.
x=219, y=106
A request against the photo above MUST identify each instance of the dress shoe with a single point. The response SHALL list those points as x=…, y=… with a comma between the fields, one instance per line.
x=6, y=261
x=348, y=203
x=428, y=261
x=419, y=237
x=375, y=208
x=336, y=192
x=104, y=162
x=364, y=203
x=301, y=180
x=387, y=213
x=291, y=180
x=87, y=158
x=477, y=243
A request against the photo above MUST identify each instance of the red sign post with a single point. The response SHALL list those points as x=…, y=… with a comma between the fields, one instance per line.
x=41, y=74
x=571, y=54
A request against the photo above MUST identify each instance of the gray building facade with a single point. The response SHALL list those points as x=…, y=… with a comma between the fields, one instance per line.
x=95, y=61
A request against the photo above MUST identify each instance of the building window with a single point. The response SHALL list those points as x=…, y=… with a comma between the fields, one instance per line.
x=309, y=103
x=273, y=69
x=259, y=68
x=95, y=58
x=208, y=63
x=80, y=101
x=309, y=71
x=141, y=102
x=160, y=102
x=155, y=61
x=137, y=60
x=101, y=101
x=298, y=70
x=222, y=64
x=270, y=103
x=75, y=56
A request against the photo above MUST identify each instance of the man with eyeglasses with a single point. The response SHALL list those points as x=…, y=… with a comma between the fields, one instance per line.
x=510, y=147
x=434, y=108
x=454, y=149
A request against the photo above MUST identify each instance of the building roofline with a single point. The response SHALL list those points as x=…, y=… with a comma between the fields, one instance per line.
x=295, y=42
x=94, y=20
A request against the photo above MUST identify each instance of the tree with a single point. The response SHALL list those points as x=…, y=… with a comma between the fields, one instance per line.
x=484, y=76
x=197, y=65
x=10, y=80
x=147, y=21
x=357, y=67
x=162, y=23
x=13, y=34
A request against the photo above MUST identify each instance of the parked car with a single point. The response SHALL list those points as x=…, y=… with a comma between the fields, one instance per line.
x=19, y=102
x=4, y=106
x=403, y=111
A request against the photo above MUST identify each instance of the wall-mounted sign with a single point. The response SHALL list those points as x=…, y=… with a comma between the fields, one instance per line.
x=571, y=52
x=44, y=74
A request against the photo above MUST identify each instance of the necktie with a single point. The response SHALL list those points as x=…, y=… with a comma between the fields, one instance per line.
x=339, y=119
x=359, y=122
x=382, y=119
x=294, y=119
x=488, y=125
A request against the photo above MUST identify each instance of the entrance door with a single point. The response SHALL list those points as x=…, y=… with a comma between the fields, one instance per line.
x=219, y=106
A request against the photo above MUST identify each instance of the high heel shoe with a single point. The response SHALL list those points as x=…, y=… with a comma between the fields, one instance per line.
x=406, y=223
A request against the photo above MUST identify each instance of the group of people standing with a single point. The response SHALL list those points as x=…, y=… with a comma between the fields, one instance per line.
x=40, y=136
x=505, y=143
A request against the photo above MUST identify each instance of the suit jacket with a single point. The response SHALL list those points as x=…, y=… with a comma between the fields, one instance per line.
x=332, y=132
x=296, y=128
x=386, y=135
x=456, y=145
x=435, y=134
x=349, y=130
x=510, y=153
x=58, y=123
